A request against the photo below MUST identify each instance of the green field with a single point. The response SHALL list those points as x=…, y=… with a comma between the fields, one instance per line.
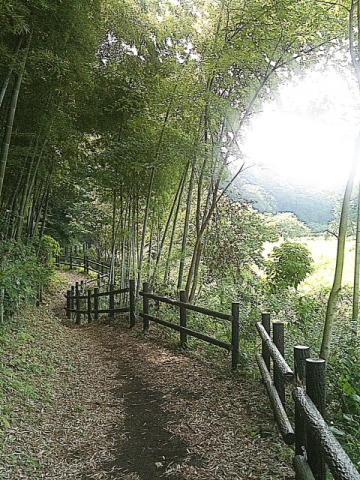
x=324, y=254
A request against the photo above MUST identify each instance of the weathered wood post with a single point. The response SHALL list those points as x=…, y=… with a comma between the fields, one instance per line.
x=132, y=303
x=57, y=261
x=235, y=335
x=68, y=304
x=315, y=389
x=301, y=353
x=96, y=303
x=82, y=286
x=278, y=338
x=146, y=322
x=183, y=318
x=72, y=301
x=71, y=259
x=98, y=280
x=2, y=298
x=111, y=301
x=87, y=265
x=265, y=320
x=41, y=289
x=89, y=306
x=78, y=314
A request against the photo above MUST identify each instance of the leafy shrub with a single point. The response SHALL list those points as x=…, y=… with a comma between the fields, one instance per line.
x=21, y=274
x=48, y=249
x=288, y=265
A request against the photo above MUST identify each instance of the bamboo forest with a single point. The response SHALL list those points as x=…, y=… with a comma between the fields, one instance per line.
x=179, y=239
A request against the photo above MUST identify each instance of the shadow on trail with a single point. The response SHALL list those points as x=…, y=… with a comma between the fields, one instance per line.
x=150, y=451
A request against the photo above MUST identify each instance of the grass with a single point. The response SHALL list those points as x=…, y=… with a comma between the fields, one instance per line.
x=323, y=251
x=25, y=366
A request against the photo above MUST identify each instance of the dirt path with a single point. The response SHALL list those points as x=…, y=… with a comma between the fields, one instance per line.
x=125, y=407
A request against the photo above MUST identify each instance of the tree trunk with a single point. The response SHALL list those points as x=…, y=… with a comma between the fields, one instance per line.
x=143, y=235
x=9, y=74
x=11, y=117
x=186, y=228
x=355, y=309
x=336, y=287
x=168, y=260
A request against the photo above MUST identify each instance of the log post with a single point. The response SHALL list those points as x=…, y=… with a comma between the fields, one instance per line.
x=132, y=303
x=146, y=322
x=68, y=304
x=72, y=300
x=183, y=318
x=57, y=261
x=71, y=259
x=301, y=353
x=82, y=287
x=89, y=306
x=78, y=314
x=111, y=301
x=98, y=281
x=265, y=320
x=96, y=303
x=235, y=335
x=315, y=389
x=278, y=338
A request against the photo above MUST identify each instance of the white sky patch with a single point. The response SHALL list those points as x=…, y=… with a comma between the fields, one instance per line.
x=306, y=136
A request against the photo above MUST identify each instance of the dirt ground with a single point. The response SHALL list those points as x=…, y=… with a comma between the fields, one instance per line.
x=124, y=406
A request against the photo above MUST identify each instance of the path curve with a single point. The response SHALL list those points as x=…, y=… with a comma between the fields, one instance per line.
x=129, y=408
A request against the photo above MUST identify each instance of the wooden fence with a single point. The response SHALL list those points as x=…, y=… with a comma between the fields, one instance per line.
x=315, y=445
x=89, y=303
x=182, y=327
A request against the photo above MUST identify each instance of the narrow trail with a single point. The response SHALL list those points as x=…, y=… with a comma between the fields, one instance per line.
x=127, y=407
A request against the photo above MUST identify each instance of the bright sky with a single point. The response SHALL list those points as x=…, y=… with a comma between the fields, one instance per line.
x=306, y=136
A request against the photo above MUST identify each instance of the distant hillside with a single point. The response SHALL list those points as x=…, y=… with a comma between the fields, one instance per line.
x=269, y=193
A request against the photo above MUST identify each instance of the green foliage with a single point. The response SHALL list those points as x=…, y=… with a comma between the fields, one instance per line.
x=288, y=265
x=21, y=274
x=48, y=249
x=235, y=241
x=289, y=226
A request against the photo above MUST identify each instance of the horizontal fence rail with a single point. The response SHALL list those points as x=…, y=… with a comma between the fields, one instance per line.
x=182, y=327
x=316, y=448
x=75, y=300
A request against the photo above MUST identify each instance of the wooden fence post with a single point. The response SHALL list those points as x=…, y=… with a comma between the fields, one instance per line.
x=72, y=300
x=301, y=353
x=87, y=265
x=315, y=389
x=235, y=335
x=78, y=314
x=71, y=259
x=96, y=303
x=183, y=318
x=111, y=301
x=89, y=306
x=68, y=304
x=57, y=261
x=278, y=338
x=265, y=320
x=132, y=303
x=82, y=287
x=146, y=308
x=98, y=281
